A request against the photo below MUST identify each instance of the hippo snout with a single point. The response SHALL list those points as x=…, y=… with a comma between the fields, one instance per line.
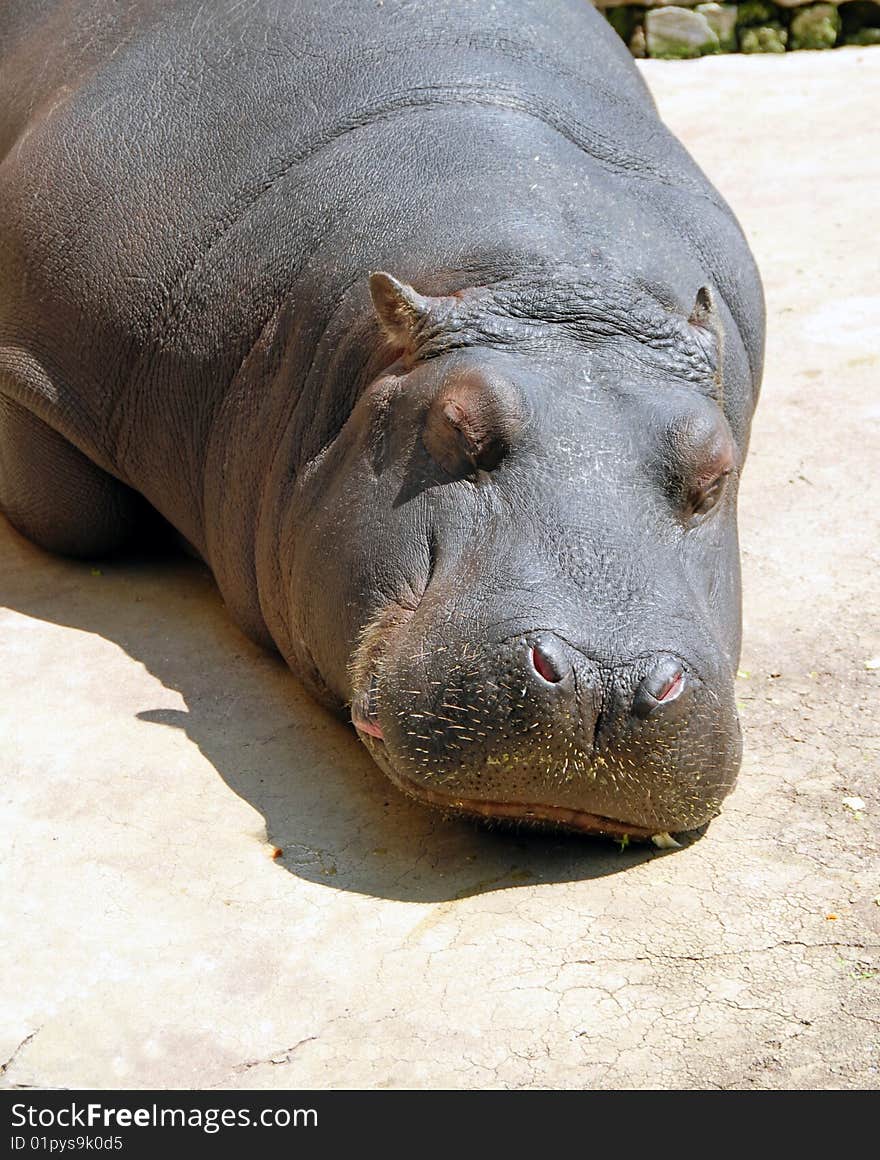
x=537, y=730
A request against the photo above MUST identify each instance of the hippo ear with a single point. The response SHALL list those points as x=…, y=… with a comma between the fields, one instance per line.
x=471, y=425
x=704, y=318
x=704, y=314
x=400, y=309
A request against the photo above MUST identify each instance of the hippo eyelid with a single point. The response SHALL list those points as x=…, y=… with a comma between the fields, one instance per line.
x=709, y=497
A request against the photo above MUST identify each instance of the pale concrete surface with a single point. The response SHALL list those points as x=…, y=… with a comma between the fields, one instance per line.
x=151, y=940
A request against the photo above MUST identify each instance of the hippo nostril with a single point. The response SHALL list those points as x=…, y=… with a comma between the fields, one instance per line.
x=673, y=688
x=548, y=663
x=663, y=685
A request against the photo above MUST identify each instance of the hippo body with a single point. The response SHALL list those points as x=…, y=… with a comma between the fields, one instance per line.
x=428, y=337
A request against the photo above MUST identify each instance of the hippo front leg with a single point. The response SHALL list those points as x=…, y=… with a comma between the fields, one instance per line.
x=55, y=496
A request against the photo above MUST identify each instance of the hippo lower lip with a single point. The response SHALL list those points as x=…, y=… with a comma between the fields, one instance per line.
x=559, y=817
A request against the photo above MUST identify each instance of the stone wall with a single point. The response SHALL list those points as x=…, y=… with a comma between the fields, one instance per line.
x=691, y=28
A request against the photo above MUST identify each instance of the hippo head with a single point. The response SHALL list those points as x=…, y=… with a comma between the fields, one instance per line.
x=529, y=583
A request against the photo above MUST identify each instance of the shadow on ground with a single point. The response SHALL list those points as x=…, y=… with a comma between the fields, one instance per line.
x=327, y=806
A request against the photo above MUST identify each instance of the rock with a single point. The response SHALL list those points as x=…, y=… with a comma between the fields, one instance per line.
x=765, y=38
x=637, y=43
x=678, y=34
x=754, y=12
x=623, y=19
x=604, y=5
x=721, y=18
x=817, y=26
x=858, y=15
x=863, y=37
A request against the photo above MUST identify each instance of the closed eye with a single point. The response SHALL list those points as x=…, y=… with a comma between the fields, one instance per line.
x=704, y=497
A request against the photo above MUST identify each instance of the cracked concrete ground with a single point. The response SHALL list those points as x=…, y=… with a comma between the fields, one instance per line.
x=152, y=940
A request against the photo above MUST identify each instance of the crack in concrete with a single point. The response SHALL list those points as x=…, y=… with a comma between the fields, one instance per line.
x=4, y=1067
x=666, y=958
x=276, y=1060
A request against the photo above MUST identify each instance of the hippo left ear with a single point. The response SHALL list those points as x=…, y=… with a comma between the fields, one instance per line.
x=400, y=309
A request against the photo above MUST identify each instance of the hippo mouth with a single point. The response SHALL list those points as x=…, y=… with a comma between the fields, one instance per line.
x=528, y=813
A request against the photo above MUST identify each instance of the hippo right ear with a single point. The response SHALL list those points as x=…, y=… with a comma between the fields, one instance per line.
x=705, y=320
x=705, y=313
x=400, y=309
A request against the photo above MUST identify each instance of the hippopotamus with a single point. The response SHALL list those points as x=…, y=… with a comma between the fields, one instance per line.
x=412, y=320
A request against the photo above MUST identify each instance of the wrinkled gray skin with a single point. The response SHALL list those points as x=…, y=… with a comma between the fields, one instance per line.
x=491, y=508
